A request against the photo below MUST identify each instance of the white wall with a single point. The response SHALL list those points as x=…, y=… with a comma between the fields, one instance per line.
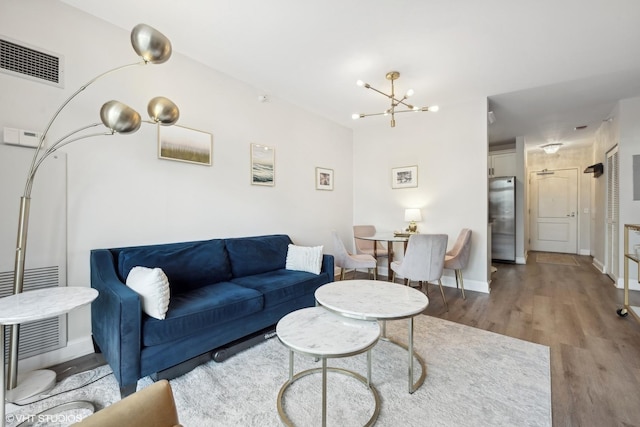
x=450, y=149
x=121, y=194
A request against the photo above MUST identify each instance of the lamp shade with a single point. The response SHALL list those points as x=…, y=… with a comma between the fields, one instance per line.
x=412, y=215
x=150, y=44
x=162, y=110
x=119, y=117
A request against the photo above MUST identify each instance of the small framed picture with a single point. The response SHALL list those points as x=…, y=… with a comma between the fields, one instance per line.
x=324, y=179
x=263, y=165
x=185, y=145
x=404, y=177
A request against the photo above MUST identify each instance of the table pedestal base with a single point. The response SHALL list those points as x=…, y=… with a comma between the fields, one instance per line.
x=31, y=386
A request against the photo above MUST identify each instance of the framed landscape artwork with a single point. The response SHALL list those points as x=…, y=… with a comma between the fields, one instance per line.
x=263, y=164
x=324, y=179
x=404, y=177
x=185, y=145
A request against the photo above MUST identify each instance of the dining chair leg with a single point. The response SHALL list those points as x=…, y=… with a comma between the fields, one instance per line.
x=342, y=274
x=406, y=282
x=375, y=274
x=461, y=283
x=443, y=297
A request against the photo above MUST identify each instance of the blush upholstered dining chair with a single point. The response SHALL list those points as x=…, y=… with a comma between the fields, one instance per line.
x=344, y=259
x=366, y=246
x=423, y=261
x=457, y=258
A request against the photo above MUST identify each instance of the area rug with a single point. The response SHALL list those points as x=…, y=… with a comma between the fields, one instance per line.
x=474, y=378
x=560, y=259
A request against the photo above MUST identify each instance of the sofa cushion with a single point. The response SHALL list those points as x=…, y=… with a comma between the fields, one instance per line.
x=188, y=265
x=255, y=255
x=281, y=285
x=199, y=309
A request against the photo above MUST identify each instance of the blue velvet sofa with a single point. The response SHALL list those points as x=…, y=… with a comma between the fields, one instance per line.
x=221, y=290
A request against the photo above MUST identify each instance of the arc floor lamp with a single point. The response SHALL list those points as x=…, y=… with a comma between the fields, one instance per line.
x=154, y=48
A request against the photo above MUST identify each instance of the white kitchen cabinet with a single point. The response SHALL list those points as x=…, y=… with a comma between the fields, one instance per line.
x=502, y=163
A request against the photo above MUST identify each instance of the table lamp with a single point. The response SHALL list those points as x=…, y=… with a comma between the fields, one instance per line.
x=411, y=216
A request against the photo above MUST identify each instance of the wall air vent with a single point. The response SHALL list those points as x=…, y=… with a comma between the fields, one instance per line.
x=19, y=60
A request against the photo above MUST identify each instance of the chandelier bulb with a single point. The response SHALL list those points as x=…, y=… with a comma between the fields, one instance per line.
x=360, y=83
x=357, y=116
x=433, y=108
x=409, y=93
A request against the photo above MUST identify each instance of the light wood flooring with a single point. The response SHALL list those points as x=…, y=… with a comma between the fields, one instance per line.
x=595, y=354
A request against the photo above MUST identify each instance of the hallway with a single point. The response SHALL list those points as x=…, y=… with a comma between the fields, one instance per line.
x=595, y=354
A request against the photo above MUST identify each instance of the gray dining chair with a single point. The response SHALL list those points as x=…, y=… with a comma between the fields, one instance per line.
x=344, y=260
x=423, y=261
x=457, y=258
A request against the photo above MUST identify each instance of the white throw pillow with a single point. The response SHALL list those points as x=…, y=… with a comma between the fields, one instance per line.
x=153, y=287
x=303, y=258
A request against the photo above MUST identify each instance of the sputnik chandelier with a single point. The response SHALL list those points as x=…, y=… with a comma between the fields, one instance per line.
x=395, y=102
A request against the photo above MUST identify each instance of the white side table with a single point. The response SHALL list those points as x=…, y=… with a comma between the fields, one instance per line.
x=378, y=300
x=28, y=307
x=321, y=334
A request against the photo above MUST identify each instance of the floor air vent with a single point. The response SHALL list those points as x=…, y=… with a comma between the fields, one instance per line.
x=44, y=335
x=31, y=63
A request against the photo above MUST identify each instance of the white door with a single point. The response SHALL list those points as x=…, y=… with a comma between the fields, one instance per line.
x=554, y=216
x=612, y=251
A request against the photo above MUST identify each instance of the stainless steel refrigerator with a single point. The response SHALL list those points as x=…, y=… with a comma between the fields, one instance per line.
x=502, y=215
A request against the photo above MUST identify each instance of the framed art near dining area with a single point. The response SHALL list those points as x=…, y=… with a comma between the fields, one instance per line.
x=263, y=165
x=324, y=179
x=185, y=145
x=404, y=177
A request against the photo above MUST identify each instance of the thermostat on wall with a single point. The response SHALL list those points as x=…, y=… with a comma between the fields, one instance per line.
x=23, y=138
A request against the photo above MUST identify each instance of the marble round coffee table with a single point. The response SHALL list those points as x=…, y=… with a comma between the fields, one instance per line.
x=378, y=300
x=321, y=334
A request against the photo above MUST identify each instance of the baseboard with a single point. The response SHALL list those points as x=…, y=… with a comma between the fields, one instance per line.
x=598, y=265
x=521, y=260
x=74, y=349
x=584, y=252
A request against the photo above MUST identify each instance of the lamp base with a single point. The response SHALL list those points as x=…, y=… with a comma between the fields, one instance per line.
x=31, y=386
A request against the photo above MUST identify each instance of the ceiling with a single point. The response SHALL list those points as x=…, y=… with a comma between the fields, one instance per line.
x=546, y=66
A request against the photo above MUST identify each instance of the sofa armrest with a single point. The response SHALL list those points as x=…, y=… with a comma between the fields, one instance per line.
x=327, y=266
x=116, y=319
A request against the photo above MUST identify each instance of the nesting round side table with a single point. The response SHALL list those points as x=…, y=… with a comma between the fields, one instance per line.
x=321, y=334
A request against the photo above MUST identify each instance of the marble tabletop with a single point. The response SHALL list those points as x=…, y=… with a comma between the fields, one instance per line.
x=372, y=299
x=385, y=237
x=43, y=303
x=320, y=333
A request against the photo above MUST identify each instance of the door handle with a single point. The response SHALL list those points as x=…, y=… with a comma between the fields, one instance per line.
x=572, y=214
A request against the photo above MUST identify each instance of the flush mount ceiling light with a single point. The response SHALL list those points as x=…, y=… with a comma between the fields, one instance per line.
x=395, y=102
x=551, y=148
